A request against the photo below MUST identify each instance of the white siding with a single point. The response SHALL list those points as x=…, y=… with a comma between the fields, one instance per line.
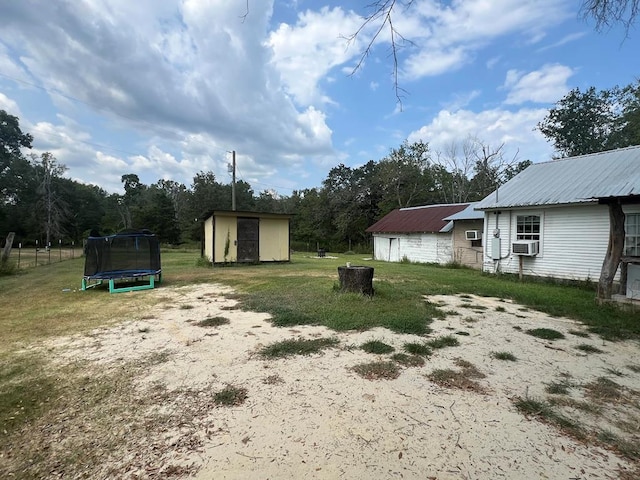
x=573, y=242
x=419, y=247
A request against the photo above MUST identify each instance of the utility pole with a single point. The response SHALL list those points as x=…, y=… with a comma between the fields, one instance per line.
x=233, y=182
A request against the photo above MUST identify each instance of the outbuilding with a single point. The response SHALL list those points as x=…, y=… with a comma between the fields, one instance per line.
x=246, y=237
x=416, y=234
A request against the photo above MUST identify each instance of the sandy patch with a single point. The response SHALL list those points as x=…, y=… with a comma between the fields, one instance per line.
x=314, y=417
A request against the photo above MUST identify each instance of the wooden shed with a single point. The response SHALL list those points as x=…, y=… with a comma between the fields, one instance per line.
x=246, y=237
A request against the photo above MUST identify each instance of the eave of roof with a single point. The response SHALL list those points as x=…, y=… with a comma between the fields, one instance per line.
x=574, y=180
x=424, y=219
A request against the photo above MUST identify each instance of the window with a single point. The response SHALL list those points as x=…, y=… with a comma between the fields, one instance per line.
x=528, y=227
x=632, y=235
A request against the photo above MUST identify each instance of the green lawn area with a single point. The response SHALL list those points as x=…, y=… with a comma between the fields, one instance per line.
x=47, y=301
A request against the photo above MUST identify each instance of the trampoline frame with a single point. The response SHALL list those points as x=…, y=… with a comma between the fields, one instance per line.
x=123, y=275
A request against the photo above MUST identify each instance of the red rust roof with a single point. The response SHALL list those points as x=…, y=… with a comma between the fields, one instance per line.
x=416, y=219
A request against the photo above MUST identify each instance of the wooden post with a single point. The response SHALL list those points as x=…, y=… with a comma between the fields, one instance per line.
x=356, y=279
x=614, y=250
x=520, y=265
x=7, y=247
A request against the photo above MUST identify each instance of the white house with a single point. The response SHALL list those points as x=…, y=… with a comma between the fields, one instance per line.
x=417, y=234
x=552, y=219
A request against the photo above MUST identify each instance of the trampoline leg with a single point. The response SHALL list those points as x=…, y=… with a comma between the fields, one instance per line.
x=84, y=284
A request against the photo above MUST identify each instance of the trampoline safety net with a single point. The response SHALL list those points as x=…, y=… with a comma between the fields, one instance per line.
x=126, y=255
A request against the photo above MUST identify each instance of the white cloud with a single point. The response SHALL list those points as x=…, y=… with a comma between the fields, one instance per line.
x=167, y=69
x=572, y=37
x=305, y=52
x=515, y=129
x=461, y=100
x=546, y=85
x=446, y=36
x=9, y=106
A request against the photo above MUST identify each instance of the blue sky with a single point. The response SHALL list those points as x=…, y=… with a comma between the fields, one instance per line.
x=167, y=88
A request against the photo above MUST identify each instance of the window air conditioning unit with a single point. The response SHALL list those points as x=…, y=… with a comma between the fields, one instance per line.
x=527, y=248
x=473, y=234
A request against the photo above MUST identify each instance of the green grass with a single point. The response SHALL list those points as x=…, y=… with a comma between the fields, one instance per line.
x=376, y=346
x=545, y=333
x=213, y=322
x=545, y=412
x=44, y=302
x=299, y=346
x=587, y=348
x=417, y=348
x=230, y=396
x=504, y=356
x=579, y=333
x=442, y=342
x=295, y=293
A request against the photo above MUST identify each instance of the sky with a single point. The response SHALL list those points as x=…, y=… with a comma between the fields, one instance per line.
x=166, y=89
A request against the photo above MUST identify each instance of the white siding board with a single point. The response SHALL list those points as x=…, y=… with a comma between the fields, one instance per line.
x=419, y=247
x=573, y=242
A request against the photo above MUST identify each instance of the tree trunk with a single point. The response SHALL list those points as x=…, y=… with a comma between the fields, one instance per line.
x=614, y=251
x=356, y=279
x=7, y=247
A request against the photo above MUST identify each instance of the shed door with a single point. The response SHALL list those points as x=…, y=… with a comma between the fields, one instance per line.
x=248, y=240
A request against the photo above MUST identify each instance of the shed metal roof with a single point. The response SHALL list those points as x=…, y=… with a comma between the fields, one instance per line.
x=573, y=180
x=429, y=218
x=469, y=213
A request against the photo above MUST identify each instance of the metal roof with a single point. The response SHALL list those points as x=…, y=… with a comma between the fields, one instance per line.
x=429, y=218
x=469, y=213
x=572, y=180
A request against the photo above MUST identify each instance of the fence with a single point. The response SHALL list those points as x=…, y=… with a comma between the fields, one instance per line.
x=30, y=256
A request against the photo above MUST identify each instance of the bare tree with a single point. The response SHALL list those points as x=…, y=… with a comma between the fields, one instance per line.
x=475, y=168
x=55, y=209
x=458, y=159
x=607, y=13
x=381, y=16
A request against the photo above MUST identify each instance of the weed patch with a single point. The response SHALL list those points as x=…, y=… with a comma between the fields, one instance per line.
x=408, y=360
x=587, y=348
x=503, y=356
x=273, y=380
x=544, y=411
x=579, y=333
x=213, y=322
x=378, y=370
x=603, y=389
x=545, y=333
x=415, y=348
x=300, y=346
x=230, y=396
x=460, y=379
x=443, y=342
x=376, y=346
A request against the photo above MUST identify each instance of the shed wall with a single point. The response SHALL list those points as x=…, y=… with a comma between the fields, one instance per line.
x=225, y=227
x=463, y=251
x=274, y=240
x=418, y=247
x=208, y=238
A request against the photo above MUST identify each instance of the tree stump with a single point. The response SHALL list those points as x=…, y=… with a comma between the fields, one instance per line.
x=356, y=279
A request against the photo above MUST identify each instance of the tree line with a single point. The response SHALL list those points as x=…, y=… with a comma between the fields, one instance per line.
x=38, y=202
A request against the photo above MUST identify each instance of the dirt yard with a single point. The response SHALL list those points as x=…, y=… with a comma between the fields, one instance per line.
x=315, y=417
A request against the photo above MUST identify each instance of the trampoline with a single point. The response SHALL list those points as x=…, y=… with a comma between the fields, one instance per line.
x=131, y=258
